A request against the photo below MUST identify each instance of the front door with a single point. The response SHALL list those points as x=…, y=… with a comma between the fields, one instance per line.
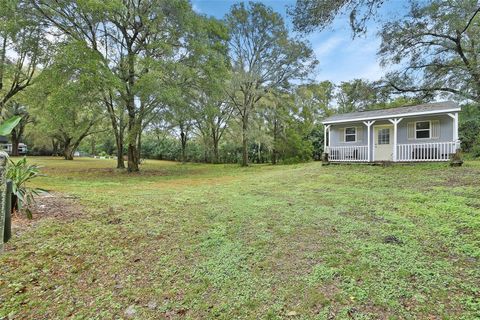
x=383, y=143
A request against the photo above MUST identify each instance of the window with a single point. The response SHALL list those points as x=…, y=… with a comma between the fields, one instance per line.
x=422, y=130
x=384, y=136
x=350, y=134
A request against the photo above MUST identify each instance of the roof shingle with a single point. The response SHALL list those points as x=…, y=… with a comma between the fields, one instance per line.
x=428, y=108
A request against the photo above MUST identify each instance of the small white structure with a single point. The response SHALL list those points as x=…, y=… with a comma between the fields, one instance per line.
x=427, y=132
x=22, y=148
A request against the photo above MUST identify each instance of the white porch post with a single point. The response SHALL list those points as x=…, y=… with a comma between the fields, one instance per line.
x=325, y=145
x=395, y=123
x=369, y=148
x=454, y=116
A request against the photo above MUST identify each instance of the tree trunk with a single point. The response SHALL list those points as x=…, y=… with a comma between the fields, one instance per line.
x=66, y=148
x=139, y=146
x=3, y=56
x=133, y=129
x=70, y=147
x=274, y=151
x=260, y=153
x=68, y=152
x=183, y=138
x=119, y=143
x=118, y=130
x=215, y=141
x=15, y=142
x=54, y=147
x=132, y=152
x=244, y=141
x=93, y=147
x=215, y=151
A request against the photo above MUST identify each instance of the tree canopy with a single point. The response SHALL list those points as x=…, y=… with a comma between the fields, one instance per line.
x=436, y=49
x=141, y=44
x=264, y=58
x=309, y=15
x=23, y=48
x=154, y=78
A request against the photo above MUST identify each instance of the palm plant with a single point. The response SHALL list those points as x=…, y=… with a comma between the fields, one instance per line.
x=20, y=173
x=8, y=125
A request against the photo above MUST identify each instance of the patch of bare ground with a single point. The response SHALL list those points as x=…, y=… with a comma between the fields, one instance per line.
x=462, y=180
x=47, y=206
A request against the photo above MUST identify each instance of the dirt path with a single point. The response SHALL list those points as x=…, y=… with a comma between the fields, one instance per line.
x=47, y=206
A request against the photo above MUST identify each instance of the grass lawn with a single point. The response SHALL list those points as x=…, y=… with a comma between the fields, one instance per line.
x=271, y=242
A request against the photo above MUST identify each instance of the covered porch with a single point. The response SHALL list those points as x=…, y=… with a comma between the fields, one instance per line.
x=419, y=152
x=412, y=137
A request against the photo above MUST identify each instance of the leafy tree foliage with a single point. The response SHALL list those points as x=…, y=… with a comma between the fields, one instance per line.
x=176, y=85
x=23, y=48
x=198, y=96
x=318, y=97
x=436, y=46
x=138, y=42
x=264, y=58
x=469, y=129
x=309, y=15
x=69, y=102
x=356, y=95
x=363, y=95
x=12, y=109
x=211, y=108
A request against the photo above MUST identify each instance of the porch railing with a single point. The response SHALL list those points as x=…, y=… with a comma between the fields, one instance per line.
x=435, y=151
x=348, y=153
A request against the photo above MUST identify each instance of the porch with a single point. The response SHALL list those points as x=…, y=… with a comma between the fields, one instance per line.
x=417, y=152
x=407, y=134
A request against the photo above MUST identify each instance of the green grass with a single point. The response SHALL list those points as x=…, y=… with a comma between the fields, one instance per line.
x=220, y=241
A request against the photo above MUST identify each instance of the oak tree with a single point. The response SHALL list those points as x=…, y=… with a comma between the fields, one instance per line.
x=263, y=57
x=436, y=49
x=23, y=48
x=136, y=41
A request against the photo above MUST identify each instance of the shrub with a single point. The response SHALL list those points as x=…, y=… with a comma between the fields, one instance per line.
x=476, y=151
x=20, y=173
x=469, y=135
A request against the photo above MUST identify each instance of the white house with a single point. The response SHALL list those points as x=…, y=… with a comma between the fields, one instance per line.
x=426, y=132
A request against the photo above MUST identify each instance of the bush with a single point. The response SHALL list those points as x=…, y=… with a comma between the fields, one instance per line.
x=469, y=132
x=40, y=151
x=476, y=151
x=20, y=173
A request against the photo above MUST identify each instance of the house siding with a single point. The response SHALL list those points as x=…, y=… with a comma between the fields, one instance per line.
x=337, y=132
x=446, y=131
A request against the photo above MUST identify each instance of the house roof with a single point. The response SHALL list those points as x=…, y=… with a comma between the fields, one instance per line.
x=420, y=109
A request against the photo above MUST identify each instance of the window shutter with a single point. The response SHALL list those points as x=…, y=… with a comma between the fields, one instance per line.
x=359, y=133
x=435, y=129
x=342, y=138
x=411, y=130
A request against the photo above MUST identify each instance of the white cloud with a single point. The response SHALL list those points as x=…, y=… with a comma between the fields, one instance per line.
x=328, y=47
x=196, y=8
x=372, y=71
x=343, y=58
x=349, y=71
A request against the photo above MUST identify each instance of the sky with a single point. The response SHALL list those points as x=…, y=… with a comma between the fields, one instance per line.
x=341, y=57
